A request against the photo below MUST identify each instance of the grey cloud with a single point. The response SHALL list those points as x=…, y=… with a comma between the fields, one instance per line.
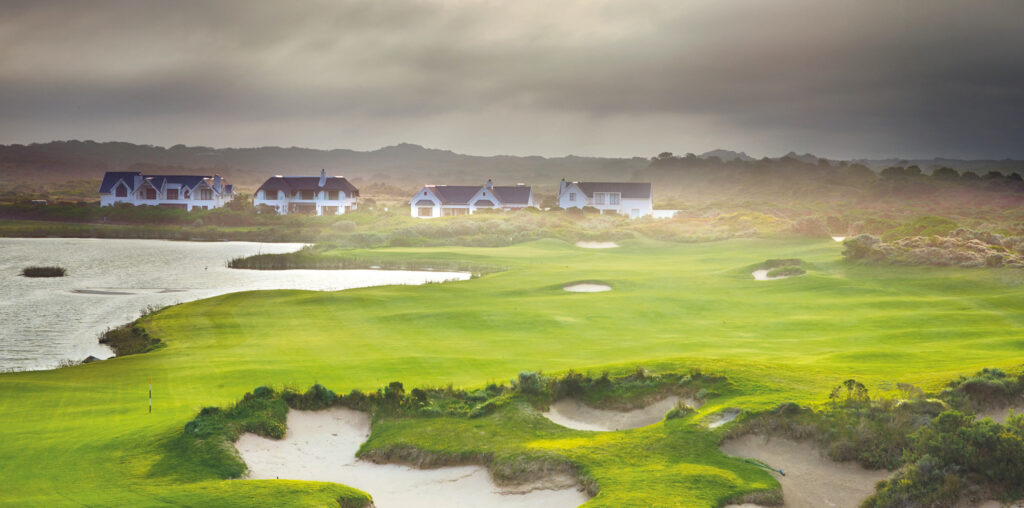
x=868, y=78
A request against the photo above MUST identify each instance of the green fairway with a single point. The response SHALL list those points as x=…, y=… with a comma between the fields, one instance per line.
x=82, y=435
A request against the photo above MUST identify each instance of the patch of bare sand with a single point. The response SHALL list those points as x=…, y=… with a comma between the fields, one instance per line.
x=587, y=288
x=811, y=481
x=838, y=238
x=322, y=446
x=1000, y=415
x=597, y=245
x=997, y=504
x=722, y=417
x=574, y=414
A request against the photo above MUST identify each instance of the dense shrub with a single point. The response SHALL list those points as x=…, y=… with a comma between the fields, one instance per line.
x=316, y=397
x=962, y=247
x=956, y=458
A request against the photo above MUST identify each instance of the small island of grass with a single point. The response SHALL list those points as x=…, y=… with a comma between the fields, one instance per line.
x=43, y=271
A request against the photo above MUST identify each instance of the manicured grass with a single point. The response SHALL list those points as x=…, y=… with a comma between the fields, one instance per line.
x=82, y=435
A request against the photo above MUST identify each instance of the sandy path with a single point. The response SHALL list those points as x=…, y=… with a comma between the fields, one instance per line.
x=321, y=446
x=587, y=288
x=597, y=245
x=574, y=414
x=811, y=481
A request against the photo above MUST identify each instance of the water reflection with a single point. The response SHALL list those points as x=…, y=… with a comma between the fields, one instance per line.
x=44, y=321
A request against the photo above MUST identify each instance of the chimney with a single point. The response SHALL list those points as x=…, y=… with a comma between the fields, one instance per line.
x=216, y=182
x=561, y=187
x=489, y=184
x=323, y=178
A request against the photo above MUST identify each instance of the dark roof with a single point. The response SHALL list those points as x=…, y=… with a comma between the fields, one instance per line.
x=484, y=202
x=513, y=195
x=424, y=202
x=159, y=181
x=300, y=183
x=454, y=194
x=189, y=181
x=111, y=177
x=628, y=189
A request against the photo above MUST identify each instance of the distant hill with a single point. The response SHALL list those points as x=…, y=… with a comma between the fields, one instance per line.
x=726, y=155
x=248, y=167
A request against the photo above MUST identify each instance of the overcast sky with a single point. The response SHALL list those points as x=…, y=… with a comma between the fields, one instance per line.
x=839, y=78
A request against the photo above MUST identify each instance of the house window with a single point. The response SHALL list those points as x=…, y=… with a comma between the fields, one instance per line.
x=572, y=196
x=186, y=194
x=425, y=211
x=122, y=191
x=306, y=194
x=599, y=198
x=332, y=195
x=150, y=193
x=614, y=198
x=172, y=194
x=205, y=195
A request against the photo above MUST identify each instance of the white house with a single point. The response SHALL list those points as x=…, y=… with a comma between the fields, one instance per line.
x=449, y=200
x=189, y=192
x=327, y=195
x=632, y=199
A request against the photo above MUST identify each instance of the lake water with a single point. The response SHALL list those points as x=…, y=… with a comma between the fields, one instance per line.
x=110, y=282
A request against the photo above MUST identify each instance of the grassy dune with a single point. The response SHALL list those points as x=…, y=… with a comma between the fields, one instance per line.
x=82, y=435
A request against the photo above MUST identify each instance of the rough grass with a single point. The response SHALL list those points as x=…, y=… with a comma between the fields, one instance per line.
x=82, y=435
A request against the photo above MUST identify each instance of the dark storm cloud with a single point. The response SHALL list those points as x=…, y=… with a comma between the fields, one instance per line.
x=842, y=78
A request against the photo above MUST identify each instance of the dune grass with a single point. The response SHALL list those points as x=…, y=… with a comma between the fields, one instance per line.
x=82, y=435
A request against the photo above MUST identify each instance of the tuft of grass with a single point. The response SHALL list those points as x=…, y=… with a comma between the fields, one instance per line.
x=43, y=271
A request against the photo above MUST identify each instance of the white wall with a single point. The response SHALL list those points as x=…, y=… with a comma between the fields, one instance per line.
x=427, y=194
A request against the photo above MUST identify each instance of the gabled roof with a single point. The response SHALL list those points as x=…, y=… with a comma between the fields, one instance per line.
x=110, y=178
x=301, y=183
x=512, y=195
x=454, y=194
x=190, y=181
x=629, y=190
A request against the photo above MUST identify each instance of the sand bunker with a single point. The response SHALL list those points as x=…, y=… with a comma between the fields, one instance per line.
x=722, y=417
x=763, y=275
x=322, y=445
x=597, y=245
x=839, y=238
x=587, y=287
x=811, y=481
x=574, y=414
